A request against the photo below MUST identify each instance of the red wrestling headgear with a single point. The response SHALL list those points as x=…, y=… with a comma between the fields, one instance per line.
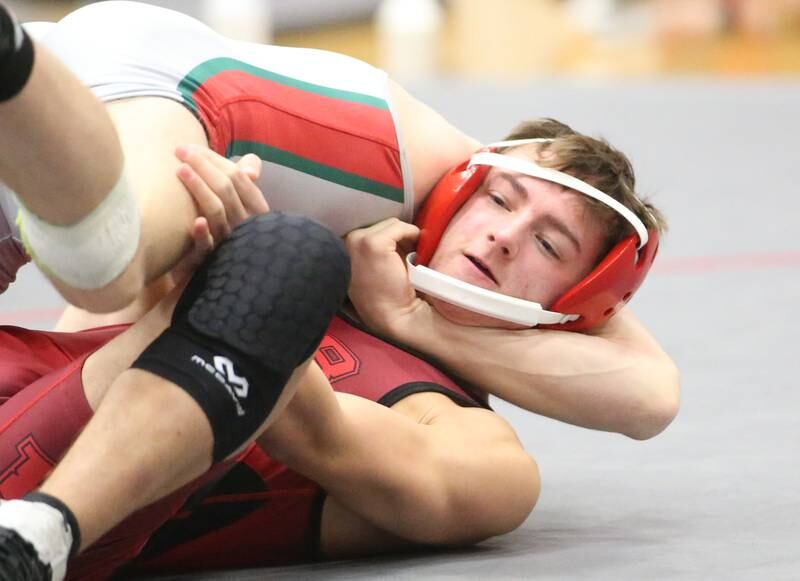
x=590, y=302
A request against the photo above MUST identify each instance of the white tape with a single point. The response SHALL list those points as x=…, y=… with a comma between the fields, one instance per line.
x=95, y=250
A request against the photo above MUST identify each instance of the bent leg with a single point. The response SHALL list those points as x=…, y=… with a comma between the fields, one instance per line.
x=62, y=152
x=149, y=130
x=41, y=419
x=58, y=148
x=172, y=419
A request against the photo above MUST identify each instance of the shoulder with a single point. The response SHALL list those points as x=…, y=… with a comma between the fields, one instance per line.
x=433, y=144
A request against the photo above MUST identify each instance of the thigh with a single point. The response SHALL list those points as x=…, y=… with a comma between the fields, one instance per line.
x=40, y=420
x=150, y=128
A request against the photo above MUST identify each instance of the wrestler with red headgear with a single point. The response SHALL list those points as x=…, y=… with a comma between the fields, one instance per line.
x=334, y=139
x=590, y=302
x=511, y=215
x=454, y=427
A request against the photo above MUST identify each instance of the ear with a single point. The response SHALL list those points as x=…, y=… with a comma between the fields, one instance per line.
x=609, y=286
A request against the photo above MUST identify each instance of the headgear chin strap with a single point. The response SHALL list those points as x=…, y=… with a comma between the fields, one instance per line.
x=590, y=302
x=479, y=300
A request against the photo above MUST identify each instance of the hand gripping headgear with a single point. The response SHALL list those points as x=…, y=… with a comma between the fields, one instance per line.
x=589, y=303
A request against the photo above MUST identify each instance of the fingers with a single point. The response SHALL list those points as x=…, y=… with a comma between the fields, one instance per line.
x=209, y=205
x=386, y=236
x=251, y=196
x=218, y=181
x=234, y=183
x=251, y=164
x=203, y=240
x=202, y=245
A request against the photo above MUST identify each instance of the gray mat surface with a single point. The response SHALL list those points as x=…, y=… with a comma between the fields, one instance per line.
x=717, y=496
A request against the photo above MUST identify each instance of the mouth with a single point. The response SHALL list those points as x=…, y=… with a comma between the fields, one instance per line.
x=480, y=265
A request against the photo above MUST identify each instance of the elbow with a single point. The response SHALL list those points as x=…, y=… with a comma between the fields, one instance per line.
x=659, y=408
x=465, y=522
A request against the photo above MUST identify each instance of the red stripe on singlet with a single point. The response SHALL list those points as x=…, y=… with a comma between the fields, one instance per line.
x=335, y=132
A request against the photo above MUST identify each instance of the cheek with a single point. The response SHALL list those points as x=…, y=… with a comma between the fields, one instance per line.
x=537, y=281
x=463, y=228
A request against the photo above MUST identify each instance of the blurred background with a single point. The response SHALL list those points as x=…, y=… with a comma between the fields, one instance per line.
x=703, y=96
x=512, y=38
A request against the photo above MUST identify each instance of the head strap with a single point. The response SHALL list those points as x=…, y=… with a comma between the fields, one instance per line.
x=530, y=168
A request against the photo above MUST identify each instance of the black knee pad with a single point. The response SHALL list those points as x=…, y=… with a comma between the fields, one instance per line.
x=253, y=312
x=16, y=55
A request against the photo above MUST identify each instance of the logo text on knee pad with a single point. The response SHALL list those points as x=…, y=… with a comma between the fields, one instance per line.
x=224, y=372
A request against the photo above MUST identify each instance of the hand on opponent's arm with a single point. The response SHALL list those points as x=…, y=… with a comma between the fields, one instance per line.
x=616, y=378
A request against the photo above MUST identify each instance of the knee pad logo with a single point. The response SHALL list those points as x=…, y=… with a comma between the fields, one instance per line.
x=223, y=371
x=225, y=366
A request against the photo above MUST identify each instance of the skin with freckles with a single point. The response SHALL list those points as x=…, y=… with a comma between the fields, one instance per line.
x=521, y=236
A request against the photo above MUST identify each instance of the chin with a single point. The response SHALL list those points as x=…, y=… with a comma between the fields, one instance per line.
x=467, y=318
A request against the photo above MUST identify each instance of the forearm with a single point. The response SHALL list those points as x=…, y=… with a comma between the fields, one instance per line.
x=605, y=382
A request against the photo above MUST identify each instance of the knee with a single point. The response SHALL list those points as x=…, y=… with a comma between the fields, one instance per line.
x=253, y=312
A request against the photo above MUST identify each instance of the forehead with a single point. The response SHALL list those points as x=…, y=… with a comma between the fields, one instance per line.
x=534, y=191
x=532, y=152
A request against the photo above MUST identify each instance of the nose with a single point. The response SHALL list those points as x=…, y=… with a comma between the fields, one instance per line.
x=506, y=237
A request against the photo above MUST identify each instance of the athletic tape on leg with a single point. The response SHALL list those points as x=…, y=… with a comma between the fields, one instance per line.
x=92, y=252
x=249, y=317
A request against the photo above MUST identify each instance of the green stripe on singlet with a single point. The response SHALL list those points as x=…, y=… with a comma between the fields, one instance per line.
x=307, y=166
x=204, y=71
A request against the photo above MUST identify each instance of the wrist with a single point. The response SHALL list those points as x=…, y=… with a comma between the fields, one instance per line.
x=425, y=330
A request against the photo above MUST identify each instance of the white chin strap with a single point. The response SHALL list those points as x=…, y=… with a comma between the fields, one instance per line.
x=479, y=300
x=497, y=305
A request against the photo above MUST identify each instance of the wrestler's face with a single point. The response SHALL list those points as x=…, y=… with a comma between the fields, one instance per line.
x=520, y=236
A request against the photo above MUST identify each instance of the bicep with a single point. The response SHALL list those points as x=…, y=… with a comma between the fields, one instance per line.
x=435, y=483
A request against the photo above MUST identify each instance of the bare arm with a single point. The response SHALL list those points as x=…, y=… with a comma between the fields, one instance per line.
x=433, y=482
x=617, y=379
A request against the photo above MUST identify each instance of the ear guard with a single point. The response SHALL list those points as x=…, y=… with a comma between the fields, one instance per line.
x=589, y=303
